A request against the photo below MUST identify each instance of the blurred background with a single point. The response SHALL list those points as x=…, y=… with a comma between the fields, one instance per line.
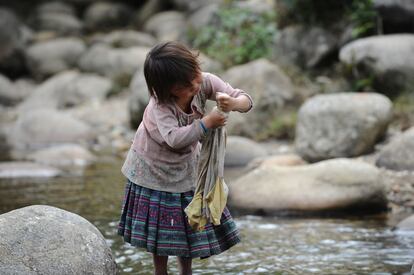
x=320, y=172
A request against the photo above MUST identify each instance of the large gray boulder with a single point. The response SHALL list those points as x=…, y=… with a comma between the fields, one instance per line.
x=110, y=114
x=114, y=63
x=399, y=153
x=109, y=120
x=148, y=9
x=13, y=36
x=397, y=15
x=341, y=125
x=240, y=151
x=7, y=95
x=139, y=98
x=126, y=39
x=57, y=17
x=64, y=156
x=26, y=169
x=41, y=239
x=167, y=26
x=388, y=59
x=107, y=15
x=406, y=224
x=51, y=57
x=208, y=64
x=328, y=186
x=38, y=129
x=11, y=93
x=203, y=16
x=307, y=47
x=270, y=89
x=56, y=7
x=68, y=89
x=193, y=5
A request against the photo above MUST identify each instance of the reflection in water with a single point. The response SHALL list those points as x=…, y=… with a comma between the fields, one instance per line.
x=270, y=245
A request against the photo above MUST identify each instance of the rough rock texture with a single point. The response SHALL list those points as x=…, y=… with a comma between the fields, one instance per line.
x=125, y=39
x=139, y=98
x=40, y=129
x=57, y=17
x=107, y=15
x=341, y=125
x=65, y=155
x=68, y=89
x=25, y=169
x=114, y=63
x=240, y=151
x=54, y=56
x=41, y=239
x=307, y=47
x=388, y=59
x=327, y=186
x=406, y=224
x=270, y=89
x=399, y=153
x=167, y=25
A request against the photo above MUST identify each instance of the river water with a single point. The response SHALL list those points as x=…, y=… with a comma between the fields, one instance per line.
x=270, y=245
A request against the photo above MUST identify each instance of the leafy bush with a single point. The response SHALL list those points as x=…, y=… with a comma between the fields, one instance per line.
x=237, y=36
x=364, y=18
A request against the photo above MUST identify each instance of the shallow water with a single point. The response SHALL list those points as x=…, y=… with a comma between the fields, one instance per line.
x=270, y=245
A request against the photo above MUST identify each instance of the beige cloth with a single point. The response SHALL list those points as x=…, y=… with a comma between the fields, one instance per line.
x=210, y=196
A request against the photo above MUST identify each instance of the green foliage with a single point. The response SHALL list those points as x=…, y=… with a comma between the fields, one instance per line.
x=237, y=36
x=363, y=84
x=364, y=17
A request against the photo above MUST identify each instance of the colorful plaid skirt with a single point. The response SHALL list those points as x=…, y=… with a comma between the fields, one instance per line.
x=155, y=220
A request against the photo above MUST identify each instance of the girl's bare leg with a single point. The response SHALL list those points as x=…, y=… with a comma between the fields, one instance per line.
x=160, y=264
x=184, y=265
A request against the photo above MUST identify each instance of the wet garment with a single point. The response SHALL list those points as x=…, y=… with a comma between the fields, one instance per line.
x=165, y=149
x=211, y=191
x=155, y=221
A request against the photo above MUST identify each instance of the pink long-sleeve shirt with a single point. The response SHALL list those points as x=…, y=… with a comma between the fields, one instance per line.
x=164, y=153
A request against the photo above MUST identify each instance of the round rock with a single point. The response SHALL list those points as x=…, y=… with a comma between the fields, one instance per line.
x=387, y=58
x=341, y=125
x=41, y=239
x=330, y=186
x=240, y=151
x=399, y=153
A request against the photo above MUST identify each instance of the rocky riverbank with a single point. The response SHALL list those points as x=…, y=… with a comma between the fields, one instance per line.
x=72, y=87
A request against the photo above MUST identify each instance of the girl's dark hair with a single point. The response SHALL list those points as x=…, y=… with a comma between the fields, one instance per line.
x=169, y=65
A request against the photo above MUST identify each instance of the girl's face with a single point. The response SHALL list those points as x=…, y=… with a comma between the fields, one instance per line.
x=190, y=91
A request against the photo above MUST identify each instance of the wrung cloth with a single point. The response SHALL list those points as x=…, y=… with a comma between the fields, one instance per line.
x=210, y=195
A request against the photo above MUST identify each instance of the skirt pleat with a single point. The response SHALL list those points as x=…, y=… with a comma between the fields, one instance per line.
x=156, y=221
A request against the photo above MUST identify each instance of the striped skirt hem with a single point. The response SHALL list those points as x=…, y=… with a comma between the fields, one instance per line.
x=156, y=222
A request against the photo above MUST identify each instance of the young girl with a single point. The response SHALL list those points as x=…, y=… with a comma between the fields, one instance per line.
x=161, y=164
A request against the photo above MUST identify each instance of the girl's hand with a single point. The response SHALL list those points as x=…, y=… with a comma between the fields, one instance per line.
x=214, y=119
x=225, y=102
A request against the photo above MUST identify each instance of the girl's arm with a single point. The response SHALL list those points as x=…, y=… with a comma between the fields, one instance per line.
x=171, y=133
x=178, y=137
x=227, y=97
x=226, y=103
